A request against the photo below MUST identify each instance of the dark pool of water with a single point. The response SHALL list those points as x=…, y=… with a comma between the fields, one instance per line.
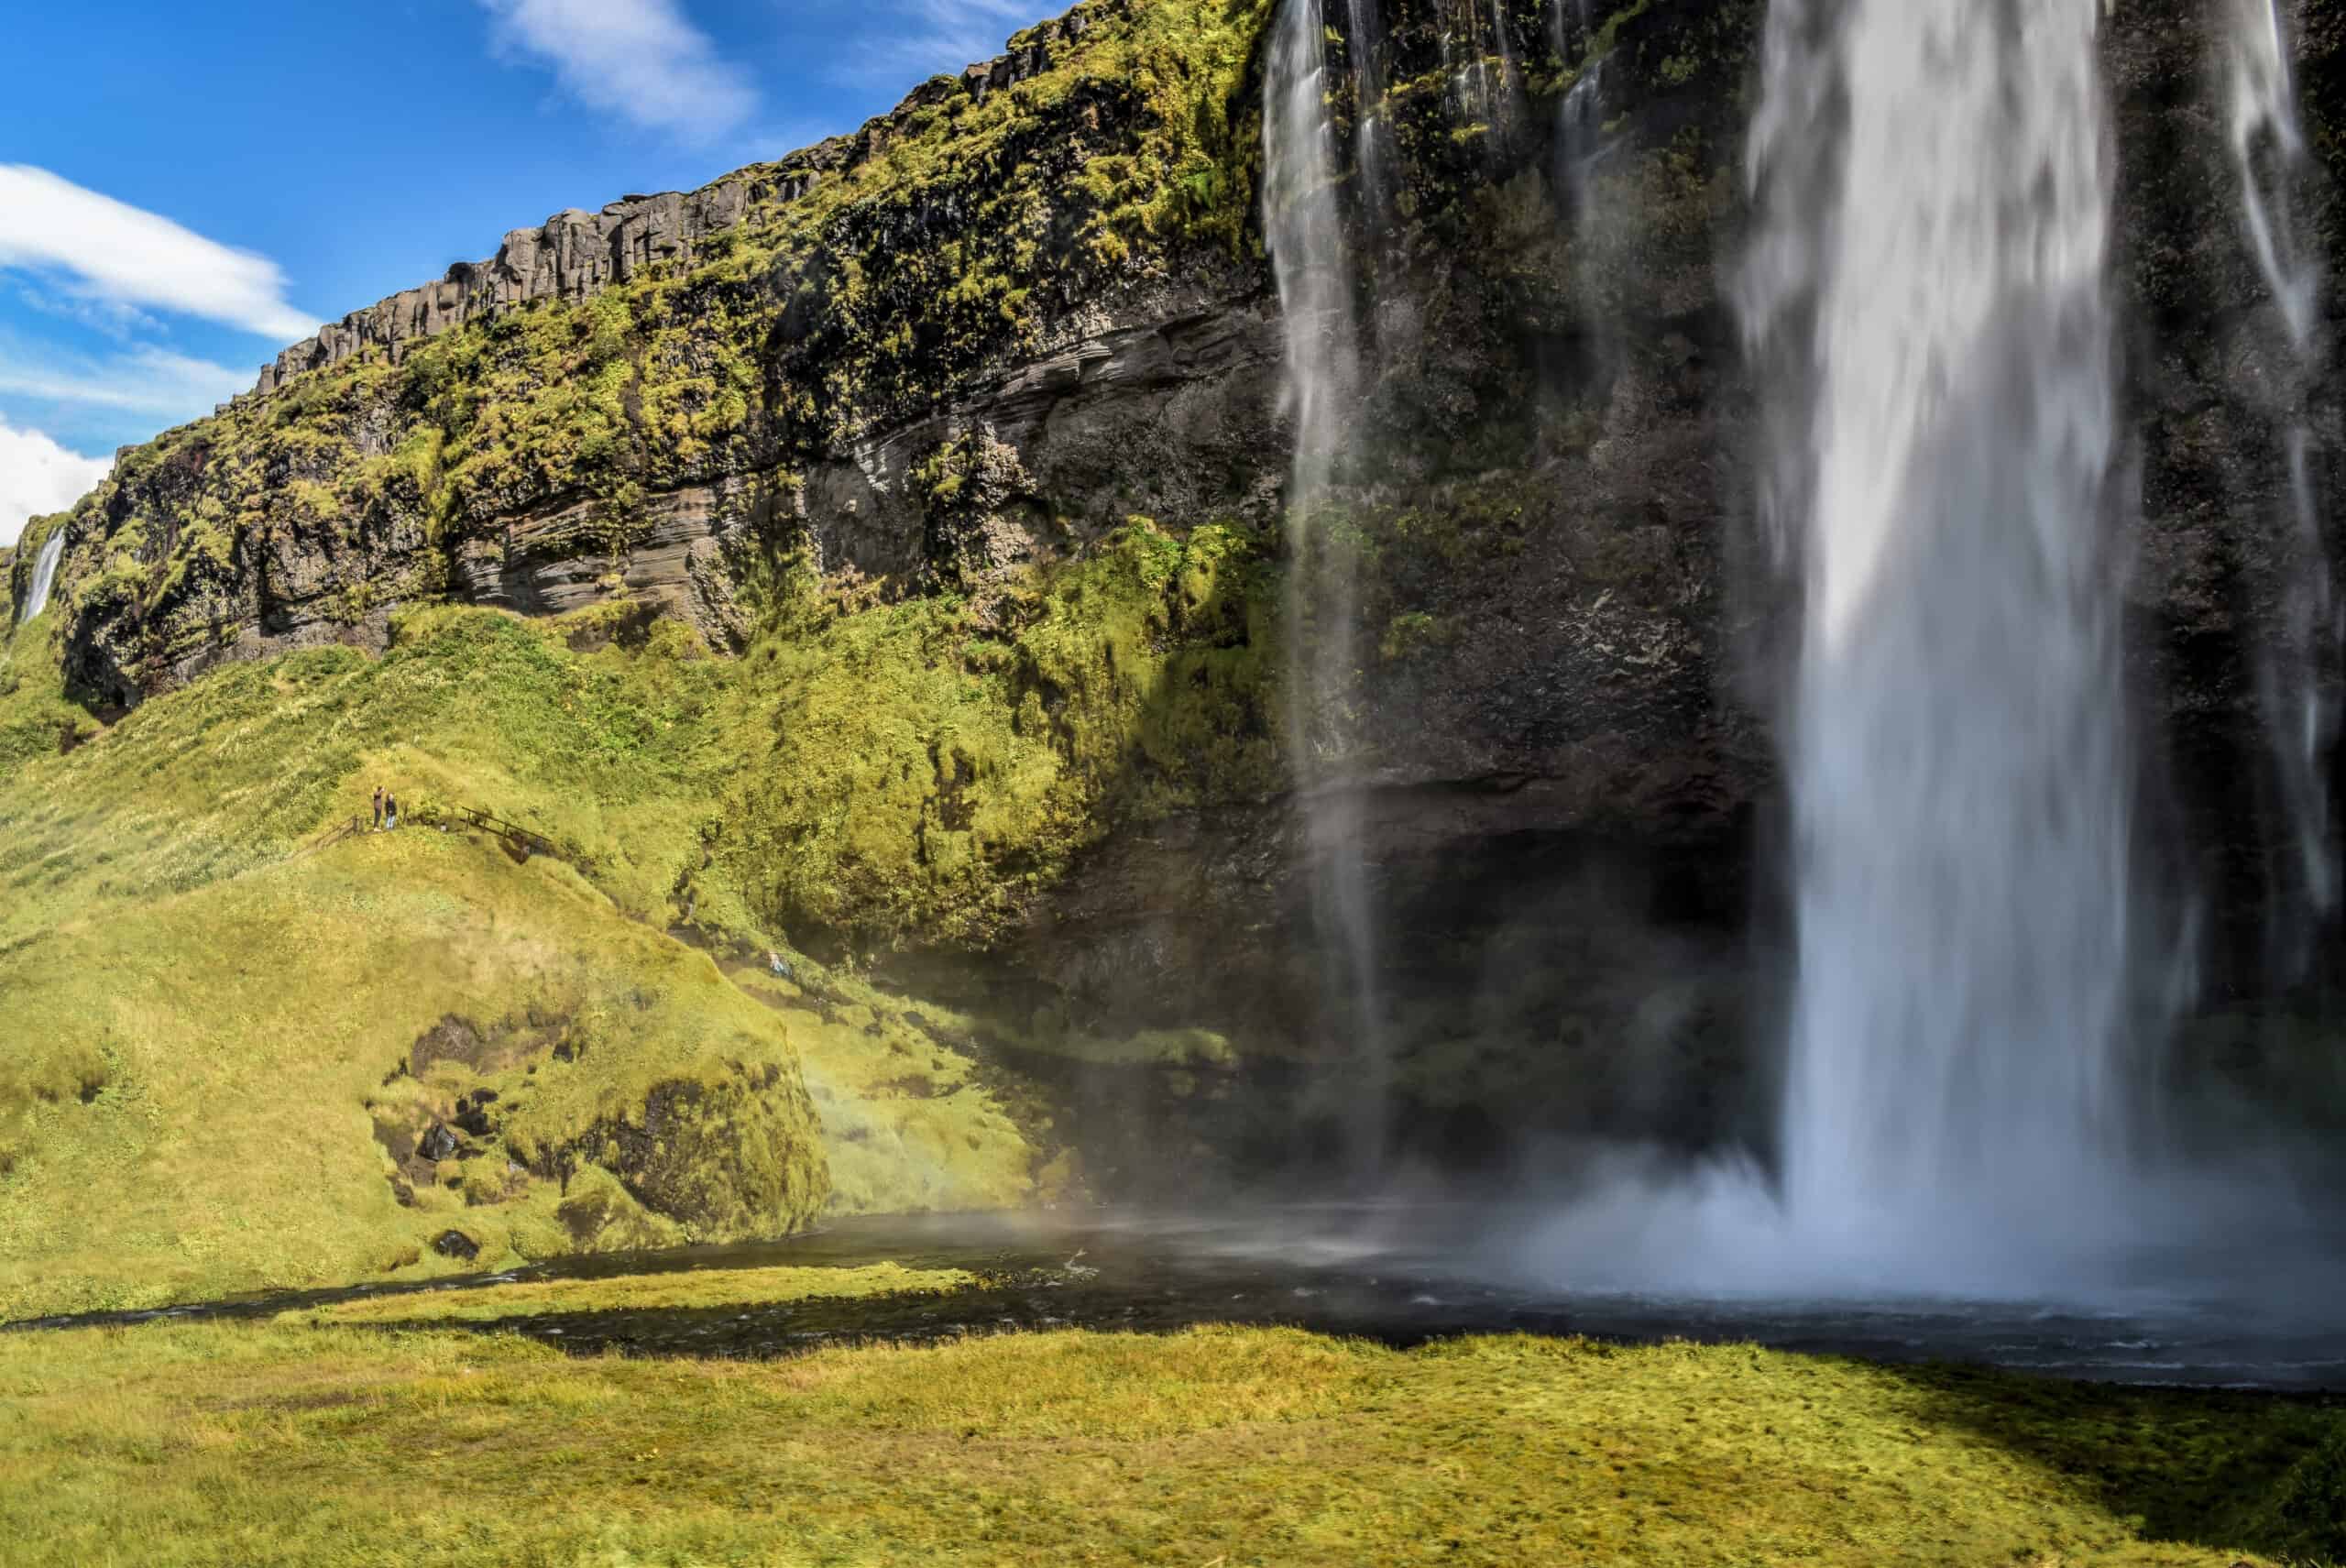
x=1398, y=1275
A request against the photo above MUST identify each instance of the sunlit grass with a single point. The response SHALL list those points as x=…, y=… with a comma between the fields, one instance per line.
x=196, y=1016
x=681, y=1291
x=277, y=1444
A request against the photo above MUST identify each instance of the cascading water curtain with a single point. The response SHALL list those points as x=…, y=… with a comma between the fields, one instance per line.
x=1320, y=307
x=1925, y=295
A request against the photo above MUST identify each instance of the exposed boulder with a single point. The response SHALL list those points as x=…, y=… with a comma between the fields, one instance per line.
x=457, y=1244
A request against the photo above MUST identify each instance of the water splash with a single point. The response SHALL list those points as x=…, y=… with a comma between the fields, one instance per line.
x=2268, y=145
x=52, y=551
x=1320, y=310
x=1934, y=186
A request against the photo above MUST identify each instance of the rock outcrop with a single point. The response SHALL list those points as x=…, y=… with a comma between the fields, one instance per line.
x=574, y=255
x=571, y=256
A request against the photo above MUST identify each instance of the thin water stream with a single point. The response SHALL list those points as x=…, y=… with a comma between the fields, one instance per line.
x=44, y=574
x=1303, y=218
x=2269, y=149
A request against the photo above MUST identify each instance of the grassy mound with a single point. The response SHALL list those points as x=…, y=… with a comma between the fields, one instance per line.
x=209, y=1098
x=280, y=1444
x=242, y=1055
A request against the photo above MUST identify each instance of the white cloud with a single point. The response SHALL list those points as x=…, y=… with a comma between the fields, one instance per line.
x=125, y=257
x=115, y=319
x=146, y=381
x=38, y=476
x=640, y=59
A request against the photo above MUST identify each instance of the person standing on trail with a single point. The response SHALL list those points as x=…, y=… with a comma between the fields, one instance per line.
x=378, y=808
x=391, y=811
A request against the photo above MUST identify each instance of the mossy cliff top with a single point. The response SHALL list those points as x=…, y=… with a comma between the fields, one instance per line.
x=865, y=281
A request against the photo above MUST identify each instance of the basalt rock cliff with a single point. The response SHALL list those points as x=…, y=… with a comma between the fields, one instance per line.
x=1025, y=326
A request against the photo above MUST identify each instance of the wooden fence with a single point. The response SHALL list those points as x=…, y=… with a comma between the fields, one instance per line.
x=524, y=841
x=520, y=841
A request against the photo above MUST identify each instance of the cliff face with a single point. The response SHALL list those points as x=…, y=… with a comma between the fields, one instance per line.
x=622, y=398
x=948, y=359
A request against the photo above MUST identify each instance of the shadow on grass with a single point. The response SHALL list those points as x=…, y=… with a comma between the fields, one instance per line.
x=2230, y=1470
x=2226, y=1471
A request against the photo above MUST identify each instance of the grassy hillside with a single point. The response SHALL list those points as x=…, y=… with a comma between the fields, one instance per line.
x=228, y=1049
x=263, y=1445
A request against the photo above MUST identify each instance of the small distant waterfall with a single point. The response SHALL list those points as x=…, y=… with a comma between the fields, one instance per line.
x=1321, y=309
x=44, y=574
x=1926, y=291
x=1580, y=134
x=2268, y=144
x=1484, y=87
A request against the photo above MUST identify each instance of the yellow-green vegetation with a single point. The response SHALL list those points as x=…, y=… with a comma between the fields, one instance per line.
x=681, y=1291
x=906, y=1124
x=930, y=773
x=280, y=1444
x=864, y=283
x=202, y=1107
x=244, y=1044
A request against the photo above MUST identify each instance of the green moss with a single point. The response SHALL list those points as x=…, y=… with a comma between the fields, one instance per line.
x=280, y=1443
x=212, y=1072
x=157, y=905
x=927, y=773
x=2306, y=1512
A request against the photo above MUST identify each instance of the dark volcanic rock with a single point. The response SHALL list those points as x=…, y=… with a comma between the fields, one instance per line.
x=457, y=1244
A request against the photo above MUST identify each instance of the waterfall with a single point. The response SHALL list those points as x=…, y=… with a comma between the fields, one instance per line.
x=1372, y=144
x=1484, y=87
x=1580, y=136
x=1925, y=295
x=1320, y=310
x=44, y=574
x=2268, y=144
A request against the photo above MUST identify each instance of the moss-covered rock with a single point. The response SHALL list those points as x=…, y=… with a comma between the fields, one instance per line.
x=728, y=1154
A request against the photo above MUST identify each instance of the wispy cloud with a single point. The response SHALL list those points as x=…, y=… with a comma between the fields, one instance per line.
x=922, y=37
x=124, y=257
x=641, y=59
x=38, y=477
x=145, y=379
x=110, y=317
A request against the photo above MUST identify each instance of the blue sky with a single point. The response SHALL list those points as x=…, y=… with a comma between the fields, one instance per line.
x=186, y=188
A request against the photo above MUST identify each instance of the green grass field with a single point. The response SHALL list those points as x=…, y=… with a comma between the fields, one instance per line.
x=261, y=1444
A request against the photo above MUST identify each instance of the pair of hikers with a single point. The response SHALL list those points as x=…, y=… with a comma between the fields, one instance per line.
x=387, y=809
